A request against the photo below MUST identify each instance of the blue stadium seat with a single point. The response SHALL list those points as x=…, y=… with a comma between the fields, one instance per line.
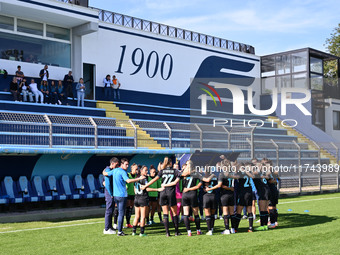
x=66, y=184
x=9, y=189
x=24, y=188
x=54, y=189
x=91, y=183
x=40, y=189
x=100, y=183
x=3, y=198
x=80, y=187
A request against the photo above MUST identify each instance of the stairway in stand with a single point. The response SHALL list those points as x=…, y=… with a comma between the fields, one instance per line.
x=143, y=139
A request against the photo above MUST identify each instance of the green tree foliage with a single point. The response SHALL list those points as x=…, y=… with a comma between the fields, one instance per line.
x=332, y=45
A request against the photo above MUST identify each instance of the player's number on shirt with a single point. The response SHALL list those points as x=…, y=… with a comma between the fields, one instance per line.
x=210, y=186
x=246, y=184
x=167, y=179
x=190, y=182
x=230, y=182
x=138, y=189
x=264, y=180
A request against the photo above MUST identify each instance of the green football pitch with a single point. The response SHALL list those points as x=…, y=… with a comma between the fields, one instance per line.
x=307, y=225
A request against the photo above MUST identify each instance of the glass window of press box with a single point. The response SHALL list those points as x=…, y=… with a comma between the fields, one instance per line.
x=336, y=120
x=29, y=41
x=304, y=68
x=284, y=70
x=298, y=69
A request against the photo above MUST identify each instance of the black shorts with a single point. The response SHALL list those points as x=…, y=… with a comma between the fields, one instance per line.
x=141, y=201
x=273, y=195
x=131, y=197
x=190, y=199
x=153, y=199
x=263, y=192
x=167, y=198
x=254, y=195
x=245, y=198
x=227, y=199
x=209, y=201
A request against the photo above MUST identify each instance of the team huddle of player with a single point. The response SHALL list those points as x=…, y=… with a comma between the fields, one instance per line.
x=240, y=186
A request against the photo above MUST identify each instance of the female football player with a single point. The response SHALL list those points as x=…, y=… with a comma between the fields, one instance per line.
x=191, y=185
x=170, y=177
x=142, y=202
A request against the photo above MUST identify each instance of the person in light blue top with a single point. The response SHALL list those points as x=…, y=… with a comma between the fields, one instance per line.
x=80, y=92
x=120, y=178
x=114, y=163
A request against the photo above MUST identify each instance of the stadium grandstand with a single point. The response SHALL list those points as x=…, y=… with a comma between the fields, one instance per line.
x=57, y=152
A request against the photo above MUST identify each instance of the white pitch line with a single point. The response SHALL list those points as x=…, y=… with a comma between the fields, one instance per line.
x=298, y=201
x=61, y=226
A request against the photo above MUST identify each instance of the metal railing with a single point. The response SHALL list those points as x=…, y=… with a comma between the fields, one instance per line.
x=301, y=169
x=169, y=31
x=53, y=131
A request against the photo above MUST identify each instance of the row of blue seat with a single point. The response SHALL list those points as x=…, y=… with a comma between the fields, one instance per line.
x=36, y=190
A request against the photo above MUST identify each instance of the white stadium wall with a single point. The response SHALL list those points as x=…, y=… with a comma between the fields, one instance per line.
x=118, y=50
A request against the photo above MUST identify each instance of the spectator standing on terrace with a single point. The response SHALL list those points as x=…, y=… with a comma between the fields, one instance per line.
x=37, y=93
x=80, y=92
x=107, y=86
x=44, y=88
x=44, y=74
x=68, y=86
x=115, y=86
x=19, y=75
x=14, y=89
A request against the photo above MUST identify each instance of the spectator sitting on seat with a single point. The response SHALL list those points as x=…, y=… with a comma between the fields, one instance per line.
x=13, y=87
x=53, y=93
x=115, y=87
x=37, y=93
x=80, y=92
x=19, y=75
x=68, y=86
x=26, y=91
x=44, y=74
x=44, y=88
x=61, y=95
